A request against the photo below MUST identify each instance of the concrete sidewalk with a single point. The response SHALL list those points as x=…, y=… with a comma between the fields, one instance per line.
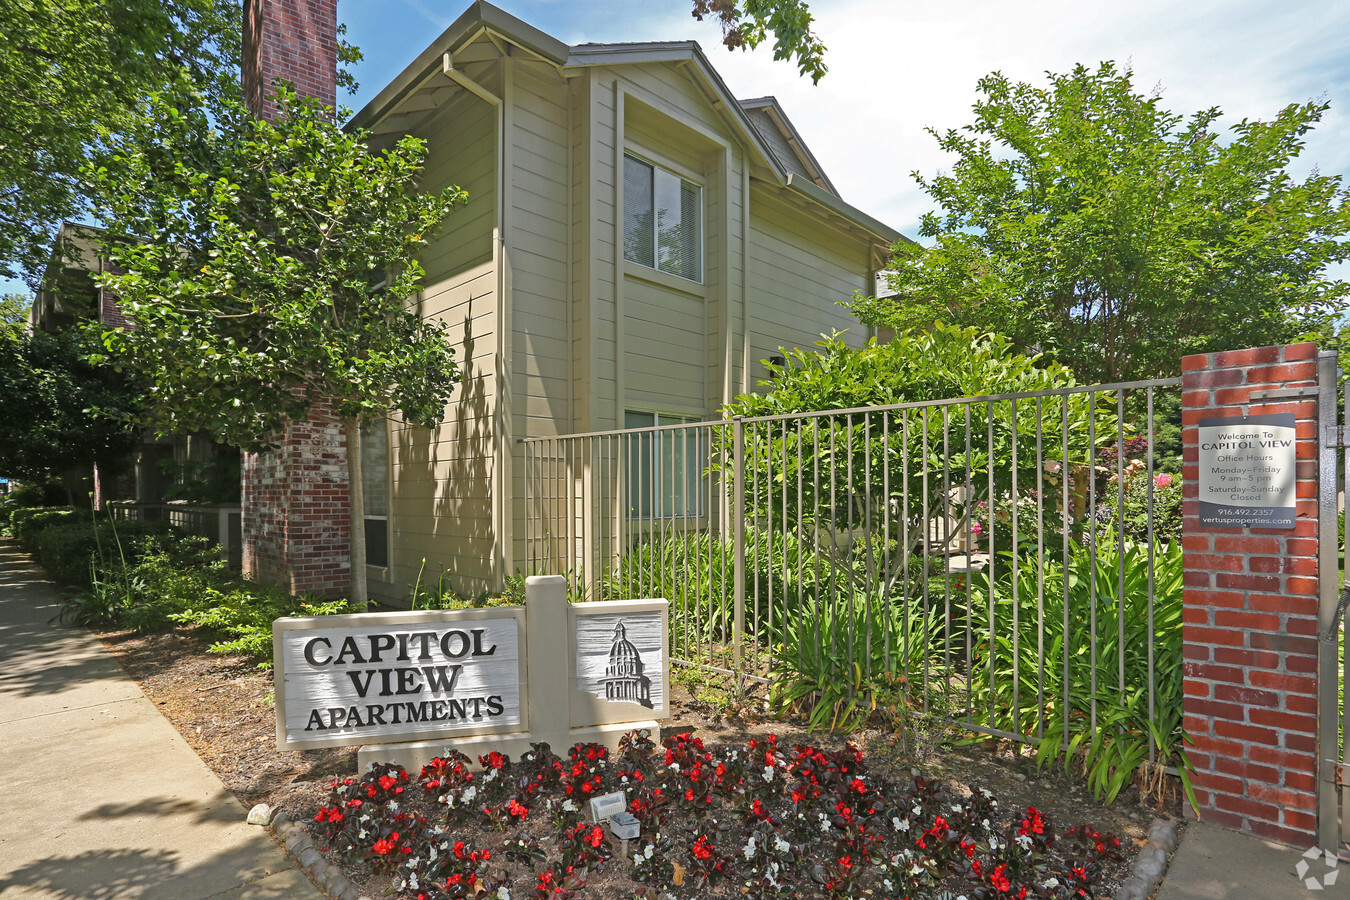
x=1214, y=864
x=99, y=796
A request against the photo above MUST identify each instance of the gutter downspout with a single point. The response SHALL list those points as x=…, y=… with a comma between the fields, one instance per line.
x=745, y=278
x=500, y=500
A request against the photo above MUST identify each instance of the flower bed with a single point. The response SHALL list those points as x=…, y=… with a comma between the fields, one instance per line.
x=749, y=820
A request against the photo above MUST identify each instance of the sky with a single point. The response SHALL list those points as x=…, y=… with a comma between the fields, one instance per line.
x=898, y=67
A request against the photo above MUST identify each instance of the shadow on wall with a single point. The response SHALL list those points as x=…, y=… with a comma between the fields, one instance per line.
x=443, y=490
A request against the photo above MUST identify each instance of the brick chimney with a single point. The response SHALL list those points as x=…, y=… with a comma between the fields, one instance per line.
x=293, y=41
x=294, y=499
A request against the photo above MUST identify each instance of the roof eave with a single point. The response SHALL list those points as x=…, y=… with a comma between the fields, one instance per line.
x=815, y=192
x=481, y=15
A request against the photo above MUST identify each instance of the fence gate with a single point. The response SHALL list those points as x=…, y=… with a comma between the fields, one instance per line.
x=1333, y=664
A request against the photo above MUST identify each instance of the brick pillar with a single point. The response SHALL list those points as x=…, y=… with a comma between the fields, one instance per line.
x=291, y=40
x=294, y=500
x=1250, y=614
x=293, y=508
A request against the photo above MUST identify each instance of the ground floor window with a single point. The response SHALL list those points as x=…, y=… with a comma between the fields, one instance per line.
x=375, y=486
x=665, y=468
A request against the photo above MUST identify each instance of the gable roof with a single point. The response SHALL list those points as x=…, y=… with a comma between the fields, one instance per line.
x=767, y=114
x=795, y=170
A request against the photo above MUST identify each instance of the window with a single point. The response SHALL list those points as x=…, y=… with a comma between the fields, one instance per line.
x=375, y=487
x=665, y=468
x=662, y=220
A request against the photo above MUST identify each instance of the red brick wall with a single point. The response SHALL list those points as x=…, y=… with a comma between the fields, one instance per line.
x=294, y=509
x=290, y=40
x=1250, y=615
x=294, y=499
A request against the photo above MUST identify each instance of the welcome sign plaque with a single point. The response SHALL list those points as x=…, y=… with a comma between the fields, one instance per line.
x=1247, y=471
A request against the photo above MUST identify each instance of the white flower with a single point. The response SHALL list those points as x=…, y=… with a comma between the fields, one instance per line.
x=917, y=810
x=825, y=825
x=1025, y=841
x=916, y=869
x=432, y=854
x=1051, y=884
x=768, y=773
x=569, y=806
x=623, y=780
x=780, y=845
x=412, y=880
x=956, y=810
x=503, y=893
x=750, y=848
x=647, y=853
x=469, y=793
x=674, y=767
x=899, y=823
x=886, y=882
x=393, y=806
x=491, y=774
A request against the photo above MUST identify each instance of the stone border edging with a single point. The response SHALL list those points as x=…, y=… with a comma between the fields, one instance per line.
x=1151, y=864
x=296, y=841
x=1149, y=867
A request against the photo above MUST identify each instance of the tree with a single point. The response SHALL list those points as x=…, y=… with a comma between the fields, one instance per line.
x=873, y=480
x=14, y=310
x=75, y=412
x=1085, y=221
x=267, y=268
x=789, y=21
x=71, y=73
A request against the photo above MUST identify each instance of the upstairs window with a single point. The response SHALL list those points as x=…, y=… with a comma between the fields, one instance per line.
x=662, y=220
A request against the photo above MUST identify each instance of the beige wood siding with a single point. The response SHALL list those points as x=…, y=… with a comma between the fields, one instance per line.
x=665, y=355
x=538, y=248
x=443, y=478
x=800, y=267
x=462, y=150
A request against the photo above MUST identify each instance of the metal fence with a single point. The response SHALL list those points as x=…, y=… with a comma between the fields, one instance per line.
x=1010, y=562
x=220, y=523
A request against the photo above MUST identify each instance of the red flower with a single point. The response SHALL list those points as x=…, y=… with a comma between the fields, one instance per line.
x=999, y=881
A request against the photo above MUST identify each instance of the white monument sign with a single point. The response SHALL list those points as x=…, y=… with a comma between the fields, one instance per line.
x=370, y=677
x=1247, y=471
x=408, y=686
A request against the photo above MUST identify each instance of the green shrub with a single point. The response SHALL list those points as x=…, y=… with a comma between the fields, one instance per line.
x=1039, y=673
x=181, y=581
x=442, y=596
x=695, y=572
x=835, y=655
x=32, y=494
x=240, y=612
x=72, y=551
x=27, y=522
x=1133, y=516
